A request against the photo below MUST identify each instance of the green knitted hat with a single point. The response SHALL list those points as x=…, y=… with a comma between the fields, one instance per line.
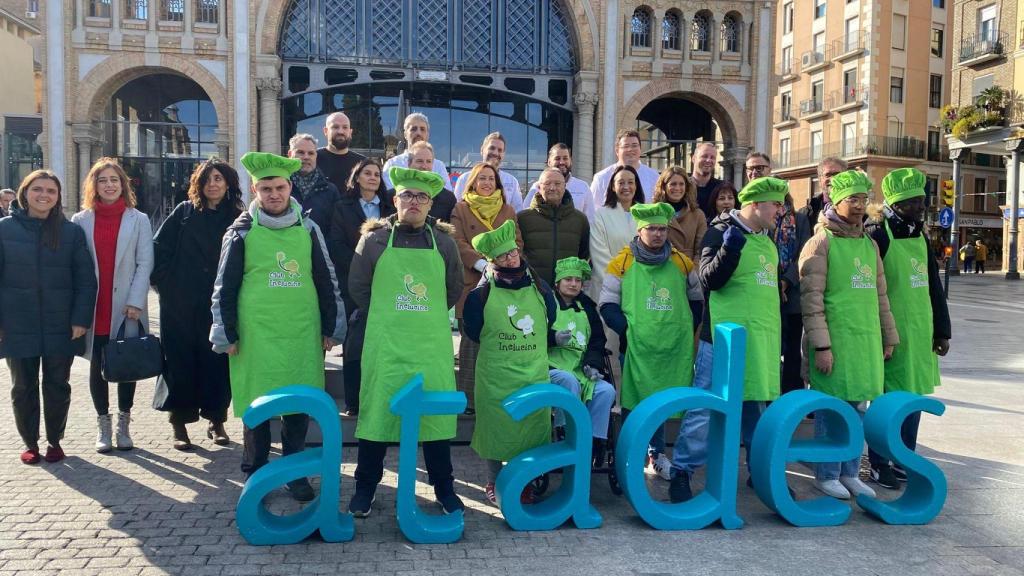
x=903, y=184
x=411, y=179
x=262, y=165
x=496, y=242
x=571, y=267
x=848, y=183
x=647, y=214
x=764, y=189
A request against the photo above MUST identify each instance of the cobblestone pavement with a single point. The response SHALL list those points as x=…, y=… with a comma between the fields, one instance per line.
x=154, y=510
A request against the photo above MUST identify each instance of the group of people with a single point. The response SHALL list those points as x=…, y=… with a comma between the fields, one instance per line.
x=543, y=285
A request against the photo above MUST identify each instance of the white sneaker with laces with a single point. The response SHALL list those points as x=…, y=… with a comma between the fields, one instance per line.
x=123, y=437
x=103, y=443
x=833, y=488
x=856, y=486
x=662, y=467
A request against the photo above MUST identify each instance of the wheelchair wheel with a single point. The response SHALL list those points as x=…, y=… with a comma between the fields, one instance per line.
x=540, y=484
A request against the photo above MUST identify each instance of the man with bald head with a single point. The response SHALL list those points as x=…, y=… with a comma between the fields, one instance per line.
x=335, y=160
x=552, y=228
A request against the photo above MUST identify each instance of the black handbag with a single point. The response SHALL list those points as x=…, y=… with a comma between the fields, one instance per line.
x=132, y=359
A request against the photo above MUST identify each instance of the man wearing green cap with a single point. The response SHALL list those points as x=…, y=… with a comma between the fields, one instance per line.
x=577, y=357
x=850, y=330
x=921, y=320
x=652, y=295
x=510, y=313
x=273, y=264
x=739, y=270
x=406, y=273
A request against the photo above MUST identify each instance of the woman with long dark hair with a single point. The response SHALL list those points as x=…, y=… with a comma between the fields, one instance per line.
x=365, y=199
x=613, y=226
x=120, y=238
x=187, y=247
x=47, y=295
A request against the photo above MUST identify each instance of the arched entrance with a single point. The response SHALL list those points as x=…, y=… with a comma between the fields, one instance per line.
x=472, y=66
x=160, y=126
x=674, y=125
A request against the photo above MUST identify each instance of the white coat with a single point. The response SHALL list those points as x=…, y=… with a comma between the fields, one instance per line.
x=133, y=262
x=610, y=232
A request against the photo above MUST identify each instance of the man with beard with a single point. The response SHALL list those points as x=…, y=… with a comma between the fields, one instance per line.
x=310, y=187
x=492, y=151
x=416, y=129
x=627, y=153
x=335, y=160
x=560, y=159
x=704, y=159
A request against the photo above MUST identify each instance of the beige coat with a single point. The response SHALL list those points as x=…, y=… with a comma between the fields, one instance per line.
x=686, y=231
x=813, y=274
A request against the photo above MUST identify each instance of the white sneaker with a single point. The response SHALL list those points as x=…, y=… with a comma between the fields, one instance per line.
x=833, y=488
x=123, y=438
x=103, y=436
x=662, y=467
x=856, y=486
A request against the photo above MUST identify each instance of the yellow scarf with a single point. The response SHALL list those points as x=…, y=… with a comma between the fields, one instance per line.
x=485, y=208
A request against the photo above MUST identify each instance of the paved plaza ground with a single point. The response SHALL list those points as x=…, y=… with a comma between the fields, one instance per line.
x=154, y=510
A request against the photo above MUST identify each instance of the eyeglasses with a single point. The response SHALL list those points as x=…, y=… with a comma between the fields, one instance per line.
x=758, y=168
x=829, y=174
x=507, y=255
x=414, y=198
x=856, y=200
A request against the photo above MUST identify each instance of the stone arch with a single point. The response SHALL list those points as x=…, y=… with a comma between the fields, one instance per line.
x=100, y=84
x=720, y=103
x=583, y=28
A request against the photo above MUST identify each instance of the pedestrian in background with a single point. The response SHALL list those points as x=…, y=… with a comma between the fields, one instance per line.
x=982, y=255
x=186, y=250
x=47, y=297
x=968, y=252
x=120, y=239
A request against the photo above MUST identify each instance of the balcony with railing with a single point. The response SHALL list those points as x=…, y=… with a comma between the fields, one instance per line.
x=896, y=147
x=906, y=147
x=981, y=48
x=784, y=117
x=815, y=59
x=849, y=98
x=815, y=108
x=138, y=16
x=849, y=46
x=786, y=70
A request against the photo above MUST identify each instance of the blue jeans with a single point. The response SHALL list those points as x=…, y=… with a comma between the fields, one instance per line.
x=600, y=406
x=692, y=442
x=824, y=471
x=908, y=433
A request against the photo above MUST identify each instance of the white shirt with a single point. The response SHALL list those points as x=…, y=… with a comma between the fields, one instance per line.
x=581, y=198
x=402, y=161
x=513, y=196
x=599, y=186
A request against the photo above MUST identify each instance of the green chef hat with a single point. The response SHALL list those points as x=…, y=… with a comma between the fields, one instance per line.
x=765, y=189
x=496, y=242
x=647, y=214
x=846, y=184
x=903, y=184
x=411, y=179
x=571, y=267
x=262, y=165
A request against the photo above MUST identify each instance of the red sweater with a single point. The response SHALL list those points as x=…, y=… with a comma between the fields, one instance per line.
x=108, y=223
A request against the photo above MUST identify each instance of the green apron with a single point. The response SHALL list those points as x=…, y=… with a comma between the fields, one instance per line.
x=570, y=356
x=279, y=339
x=407, y=332
x=751, y=299
x=914, y=366
x=513, y=355
x=659, y=338
x=851, y=312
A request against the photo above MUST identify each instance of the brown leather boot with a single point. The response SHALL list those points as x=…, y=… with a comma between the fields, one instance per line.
x=216, y=432
x=181, y=441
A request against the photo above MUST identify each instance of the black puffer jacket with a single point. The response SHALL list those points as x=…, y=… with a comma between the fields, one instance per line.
x=43, y=292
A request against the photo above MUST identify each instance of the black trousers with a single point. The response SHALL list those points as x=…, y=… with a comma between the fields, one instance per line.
x=25, y=396
x=99, y=388
x=792, y=331
x=256, y=441
x=352, y=368
x=437, y=456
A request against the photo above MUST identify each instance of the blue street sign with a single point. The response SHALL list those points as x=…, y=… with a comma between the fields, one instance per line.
x=1006, y=213
x=946, y=217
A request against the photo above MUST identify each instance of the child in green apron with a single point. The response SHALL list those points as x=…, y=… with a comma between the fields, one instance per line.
x=577, y=357
x=850, y=330
x=739, y=266
x=917, y=300
x=510, y=314
x=273, y=266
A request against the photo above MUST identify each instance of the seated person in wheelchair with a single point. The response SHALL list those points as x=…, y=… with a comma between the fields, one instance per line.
x=576, y=357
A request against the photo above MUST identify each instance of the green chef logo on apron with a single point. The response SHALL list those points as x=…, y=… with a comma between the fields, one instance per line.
x=414, y=299
x=287, y=275
x=767, y=274
x=508, y=341
x=579, y=339
x=660, y=298
x=863, y=275
x=919, y=274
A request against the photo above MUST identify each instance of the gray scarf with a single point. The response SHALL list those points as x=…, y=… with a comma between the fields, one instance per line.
x=645, y=255
x=306, y=183
x=289, y=218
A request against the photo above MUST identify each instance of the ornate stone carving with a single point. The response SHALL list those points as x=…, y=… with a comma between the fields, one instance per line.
x=269, y=85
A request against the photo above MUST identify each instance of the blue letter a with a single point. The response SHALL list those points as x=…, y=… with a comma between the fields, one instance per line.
x=260, y=527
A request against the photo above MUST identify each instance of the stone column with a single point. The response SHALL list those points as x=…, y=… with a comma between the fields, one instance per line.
x=583, y=147
x=85, y=136
x=732, y=164
x=1014, y=147
x=222, y=139
x=954, y=230
x=270, y=114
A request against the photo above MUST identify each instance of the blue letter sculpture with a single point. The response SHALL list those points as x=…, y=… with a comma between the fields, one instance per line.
x=925, y=492
x=772, y=448
x=725, y=400
x=572, y=499
x=260, y=527
x=410, y=403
